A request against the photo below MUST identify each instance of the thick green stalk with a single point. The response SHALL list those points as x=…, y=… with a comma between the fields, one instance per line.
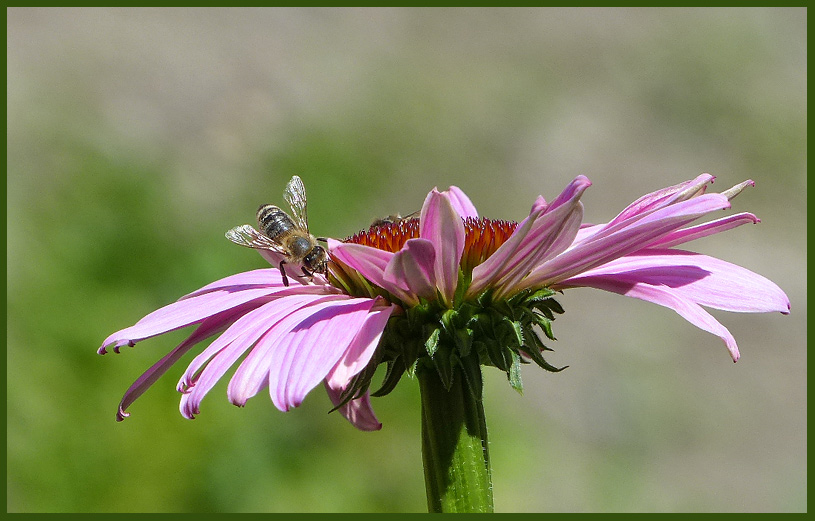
x=454, y=444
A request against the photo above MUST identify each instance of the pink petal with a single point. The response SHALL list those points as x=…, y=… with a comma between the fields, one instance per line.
x=359, y=411
x=441, y=224
x=312, y=348
x=266, y=277
x=703, y=230
x=571, y=194
x=586, y=231
x=664, y=197
x=253, y=373
x=461, y=203
x=184, y=313
x=225, y=351
x=546, y=232
x=414, y=267
x=668, y=297
x=370, y=262
x=617, y=241
x=360, y=350
x=211, y=326
x=553, y=236
x=648, y=204
x=299, y=351
x=699, y=278
x=493, y=268
x=552, y=233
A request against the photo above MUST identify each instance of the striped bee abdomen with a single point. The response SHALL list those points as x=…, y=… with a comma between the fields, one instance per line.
x=273, y=221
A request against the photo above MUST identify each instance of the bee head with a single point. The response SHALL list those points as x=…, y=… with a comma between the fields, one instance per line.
x=317, y=260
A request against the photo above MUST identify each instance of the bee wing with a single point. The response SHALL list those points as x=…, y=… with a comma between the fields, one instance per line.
x=247, y=236
x=295, y=195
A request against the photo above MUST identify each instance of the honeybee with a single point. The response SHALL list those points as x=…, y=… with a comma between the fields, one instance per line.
x=285, y=234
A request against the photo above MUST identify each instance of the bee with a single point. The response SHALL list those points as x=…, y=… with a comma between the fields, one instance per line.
x=285, y=234
x=394, y=218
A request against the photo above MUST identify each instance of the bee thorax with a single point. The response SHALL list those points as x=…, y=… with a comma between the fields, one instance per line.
x=300, y=247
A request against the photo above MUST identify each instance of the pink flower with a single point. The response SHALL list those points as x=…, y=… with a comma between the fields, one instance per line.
x=447, y=288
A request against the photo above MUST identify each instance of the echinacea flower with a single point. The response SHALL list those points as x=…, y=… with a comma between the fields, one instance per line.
x=443, y=294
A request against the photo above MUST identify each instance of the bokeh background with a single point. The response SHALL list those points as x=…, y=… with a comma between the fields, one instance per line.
x=136, y=137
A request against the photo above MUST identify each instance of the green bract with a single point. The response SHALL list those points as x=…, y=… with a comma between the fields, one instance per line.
x=502, y=333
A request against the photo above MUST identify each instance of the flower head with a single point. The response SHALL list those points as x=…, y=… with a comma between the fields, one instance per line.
x=447, y=289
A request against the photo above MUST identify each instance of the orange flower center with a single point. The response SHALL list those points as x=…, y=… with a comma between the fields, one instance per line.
x=481, y=237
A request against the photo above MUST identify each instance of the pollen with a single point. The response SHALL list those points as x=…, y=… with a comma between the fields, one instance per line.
x=481, y=237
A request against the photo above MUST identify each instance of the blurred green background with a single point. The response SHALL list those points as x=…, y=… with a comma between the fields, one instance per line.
x=137, y=137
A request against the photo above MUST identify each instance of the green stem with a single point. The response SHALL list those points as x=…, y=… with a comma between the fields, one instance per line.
x=454, y=443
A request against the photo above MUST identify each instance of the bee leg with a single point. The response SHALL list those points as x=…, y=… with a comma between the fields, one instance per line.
x=283, y=273
x=322, y=239
x=309, y=274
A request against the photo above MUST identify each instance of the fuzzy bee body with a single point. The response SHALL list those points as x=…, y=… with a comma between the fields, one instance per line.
x=285, y=234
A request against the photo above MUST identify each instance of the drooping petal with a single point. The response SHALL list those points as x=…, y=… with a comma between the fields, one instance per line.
x=610, y=244
x=699, y=278
x=229, y=347
x=305, y=355
x=252, y=374
x=359, y=411
x=210, y=326
x=184, y=313
x=361, y=348
x=461, y=203
x=587, y=230
x=665, y=296
x=441, y=224
x=414, y=266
